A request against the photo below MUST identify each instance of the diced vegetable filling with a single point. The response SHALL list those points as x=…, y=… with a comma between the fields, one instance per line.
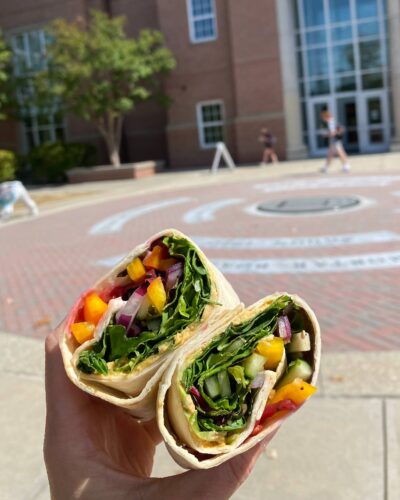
x=225, y=379
x=168, y=289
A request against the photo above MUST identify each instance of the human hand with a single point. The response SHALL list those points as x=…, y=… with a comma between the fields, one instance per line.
x=94, y=450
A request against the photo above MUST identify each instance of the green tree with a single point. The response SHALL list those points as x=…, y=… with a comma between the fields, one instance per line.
x=5, y=57
x=100, y=74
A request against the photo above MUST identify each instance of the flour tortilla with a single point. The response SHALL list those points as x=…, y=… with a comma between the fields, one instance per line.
x=183, y=445
x=136, y=392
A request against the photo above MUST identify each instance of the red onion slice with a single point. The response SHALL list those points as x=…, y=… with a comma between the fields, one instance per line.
x=124, y=320
x=126, y=314
x=285, y=331
x=195, y=392
x=134, y=331
x=199, y=398
x=173, y=274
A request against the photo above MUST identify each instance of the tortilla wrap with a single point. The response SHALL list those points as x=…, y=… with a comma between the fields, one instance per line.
x=175, y=406
x=136, y=391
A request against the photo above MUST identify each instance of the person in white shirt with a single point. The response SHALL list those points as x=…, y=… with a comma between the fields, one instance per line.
x=10, y=193
x=335, y=134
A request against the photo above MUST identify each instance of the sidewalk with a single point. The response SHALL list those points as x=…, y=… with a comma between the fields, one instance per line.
x=55, y=198
x=343, y=445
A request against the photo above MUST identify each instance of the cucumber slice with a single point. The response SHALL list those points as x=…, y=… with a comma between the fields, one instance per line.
x=235, y=345
x=300, y=342
x=212, y=386
x=296, y=369
x=254, y=364
x=224, y=384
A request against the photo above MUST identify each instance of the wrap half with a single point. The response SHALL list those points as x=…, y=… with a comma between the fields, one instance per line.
x=121, y=333
x=228, y=391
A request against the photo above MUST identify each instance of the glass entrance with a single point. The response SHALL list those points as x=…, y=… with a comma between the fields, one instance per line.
x=346, y=112
x=318, y=132
x=375, y=131
x=343, y=65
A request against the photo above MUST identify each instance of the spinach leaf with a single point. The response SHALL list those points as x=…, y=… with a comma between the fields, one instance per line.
x=90, y=362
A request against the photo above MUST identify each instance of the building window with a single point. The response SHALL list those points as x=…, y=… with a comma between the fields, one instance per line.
x=210, y=123
x=29, y=57
x=202, y=20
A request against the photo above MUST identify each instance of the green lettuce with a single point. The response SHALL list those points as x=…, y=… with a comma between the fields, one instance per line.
x=186, y=306
x=226, y=352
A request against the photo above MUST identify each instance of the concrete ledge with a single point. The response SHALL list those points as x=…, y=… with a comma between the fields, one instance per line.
x=110, y=173
x=360, y=374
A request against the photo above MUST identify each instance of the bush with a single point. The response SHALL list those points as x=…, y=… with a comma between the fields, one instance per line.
x=51, y=160
x=8, y=165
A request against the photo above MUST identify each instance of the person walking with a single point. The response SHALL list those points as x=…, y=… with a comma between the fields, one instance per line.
x=335, y=135
x=269, y=141
x=10, y=193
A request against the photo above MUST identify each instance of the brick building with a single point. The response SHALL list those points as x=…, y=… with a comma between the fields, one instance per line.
x=240, y=66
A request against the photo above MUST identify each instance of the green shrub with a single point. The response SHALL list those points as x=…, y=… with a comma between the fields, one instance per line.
x=8, y=165
x=51, y=160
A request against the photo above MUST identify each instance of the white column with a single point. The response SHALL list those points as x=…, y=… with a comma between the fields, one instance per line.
x=394, y=42
x=295, y=147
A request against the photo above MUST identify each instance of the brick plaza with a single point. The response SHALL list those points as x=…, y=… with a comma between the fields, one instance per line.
x=346, y=264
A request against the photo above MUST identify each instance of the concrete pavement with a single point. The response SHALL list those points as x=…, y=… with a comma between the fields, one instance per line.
x=343, y=445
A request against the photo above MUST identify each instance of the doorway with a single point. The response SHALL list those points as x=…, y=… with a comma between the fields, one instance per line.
x=347, y=117
x=364, y=116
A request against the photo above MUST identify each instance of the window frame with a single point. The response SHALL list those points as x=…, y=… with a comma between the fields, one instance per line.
x=201, y=125
x=192, y=18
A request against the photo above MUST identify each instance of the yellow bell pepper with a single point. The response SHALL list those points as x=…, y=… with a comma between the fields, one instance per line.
x=156, y=294
x=94, y=308
x=272, y=350
x=136, y=270
x=297, y=391
x=154, y=258
x=82, y=331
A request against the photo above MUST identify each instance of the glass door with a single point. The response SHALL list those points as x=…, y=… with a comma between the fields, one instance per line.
x=374, y=132
x=347, y=117
x=318, y=140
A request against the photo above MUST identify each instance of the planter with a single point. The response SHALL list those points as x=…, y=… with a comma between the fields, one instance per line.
x=110, y=173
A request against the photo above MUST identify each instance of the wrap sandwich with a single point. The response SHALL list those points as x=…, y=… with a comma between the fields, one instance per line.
x=121, y=333
x=230, y=389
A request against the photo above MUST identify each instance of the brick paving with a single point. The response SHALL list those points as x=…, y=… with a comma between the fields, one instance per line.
x=46, y=262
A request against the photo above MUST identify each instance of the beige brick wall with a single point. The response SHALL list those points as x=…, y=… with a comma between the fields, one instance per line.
x=241, y=68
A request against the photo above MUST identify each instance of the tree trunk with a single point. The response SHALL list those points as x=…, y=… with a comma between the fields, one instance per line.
x=114, y=157
x=110, y=129
x=112, y=149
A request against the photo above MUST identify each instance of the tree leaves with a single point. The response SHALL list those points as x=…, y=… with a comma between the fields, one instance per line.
x=5, y=57
x=100, y=73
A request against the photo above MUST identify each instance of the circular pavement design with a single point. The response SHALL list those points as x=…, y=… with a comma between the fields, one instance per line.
x=307, y=205
x=346, y=265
